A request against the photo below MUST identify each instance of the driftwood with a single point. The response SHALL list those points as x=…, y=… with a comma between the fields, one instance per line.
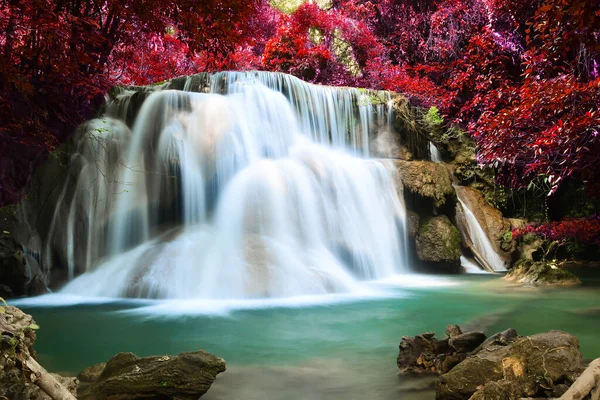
x=46, y=381
x=32, y=370
x=587, y=383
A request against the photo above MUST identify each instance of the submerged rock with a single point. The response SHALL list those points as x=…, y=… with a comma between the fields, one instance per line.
x=507, y=367
x=438, y=241
x=541, y=273
x=182, y=377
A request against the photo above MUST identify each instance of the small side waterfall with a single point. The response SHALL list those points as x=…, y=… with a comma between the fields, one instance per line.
x=232, y=185
x=481, y=246
x=434, y=153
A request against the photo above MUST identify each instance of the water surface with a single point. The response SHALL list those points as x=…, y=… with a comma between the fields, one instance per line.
x=329, y=348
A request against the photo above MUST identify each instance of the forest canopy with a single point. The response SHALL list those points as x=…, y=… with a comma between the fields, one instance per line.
x=522, y=78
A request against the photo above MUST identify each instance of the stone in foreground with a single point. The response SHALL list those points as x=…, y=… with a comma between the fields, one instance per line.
x=426, y=354
x=126, y=376
x=540, y=366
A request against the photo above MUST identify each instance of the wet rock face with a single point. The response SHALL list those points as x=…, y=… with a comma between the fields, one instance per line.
x=426, y=354
x=438, y=241
x=187, y=376
x=490, y=218
x=19, y=272
x=510, y=367
x=427, y=179
x=541, y=273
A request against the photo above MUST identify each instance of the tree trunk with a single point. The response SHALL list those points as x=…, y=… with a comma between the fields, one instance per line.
x=588, y=382
x=46, y=381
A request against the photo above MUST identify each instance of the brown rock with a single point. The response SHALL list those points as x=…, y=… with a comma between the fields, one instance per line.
x=490, y=219
x=427, y=179
x=187, y=376
x=522, y=368
x=438, y=241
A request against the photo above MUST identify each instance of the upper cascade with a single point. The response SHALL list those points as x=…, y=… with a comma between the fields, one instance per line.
x=231, y=185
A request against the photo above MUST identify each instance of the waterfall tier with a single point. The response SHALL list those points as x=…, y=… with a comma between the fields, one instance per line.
x=231, y=185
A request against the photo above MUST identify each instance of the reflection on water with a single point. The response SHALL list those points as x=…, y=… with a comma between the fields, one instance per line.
x=338, y=350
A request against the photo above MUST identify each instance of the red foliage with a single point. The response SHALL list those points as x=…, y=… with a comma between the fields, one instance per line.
x=59, y=57
x=522, y=77
x=584, y=231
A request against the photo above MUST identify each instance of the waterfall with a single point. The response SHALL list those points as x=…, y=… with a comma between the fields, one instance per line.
x=231, y=186
x=434, y=153
x=482, y=247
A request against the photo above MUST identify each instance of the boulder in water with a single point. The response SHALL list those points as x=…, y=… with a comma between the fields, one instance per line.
x=438, y=241
x=426, y=354
x=541, y=273
x=507, y=367
x=182, y=377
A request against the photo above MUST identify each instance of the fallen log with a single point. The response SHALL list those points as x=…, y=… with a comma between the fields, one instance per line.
x=587, y=383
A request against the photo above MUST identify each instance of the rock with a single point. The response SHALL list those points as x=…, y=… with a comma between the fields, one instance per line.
x=13, y=269
x=16, y=267
x=490, y=219
x=413, y=223
x=426, y=354
x=524, y=367
x=16, y=341
x=453, y=331
x=91, y=374
x=498, y=390
x=5, y=292
x=427, y=179
x=438, y=241
x=467, y=342
x=499, y=339
x=182, y=377
x=541, y=273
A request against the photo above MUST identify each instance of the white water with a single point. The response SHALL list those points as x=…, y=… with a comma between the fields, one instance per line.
x=435, y=153
x=470, y=266
x=480, y=240
x=250, y=194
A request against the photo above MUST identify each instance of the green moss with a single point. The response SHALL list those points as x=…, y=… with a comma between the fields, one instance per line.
x=541, y=273
x=438, y=240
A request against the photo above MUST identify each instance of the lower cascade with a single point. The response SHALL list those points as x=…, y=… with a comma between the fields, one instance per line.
x=233, y=194
x=482, y=247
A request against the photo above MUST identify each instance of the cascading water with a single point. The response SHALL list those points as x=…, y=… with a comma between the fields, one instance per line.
x=258, y=186
x=481, y=243
x=434, y=153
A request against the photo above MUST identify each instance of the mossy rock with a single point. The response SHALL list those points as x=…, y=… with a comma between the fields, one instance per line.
x=427, y=179
x=187, y=376
x=541, y=273
x=438, y=240
x=527, y=367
